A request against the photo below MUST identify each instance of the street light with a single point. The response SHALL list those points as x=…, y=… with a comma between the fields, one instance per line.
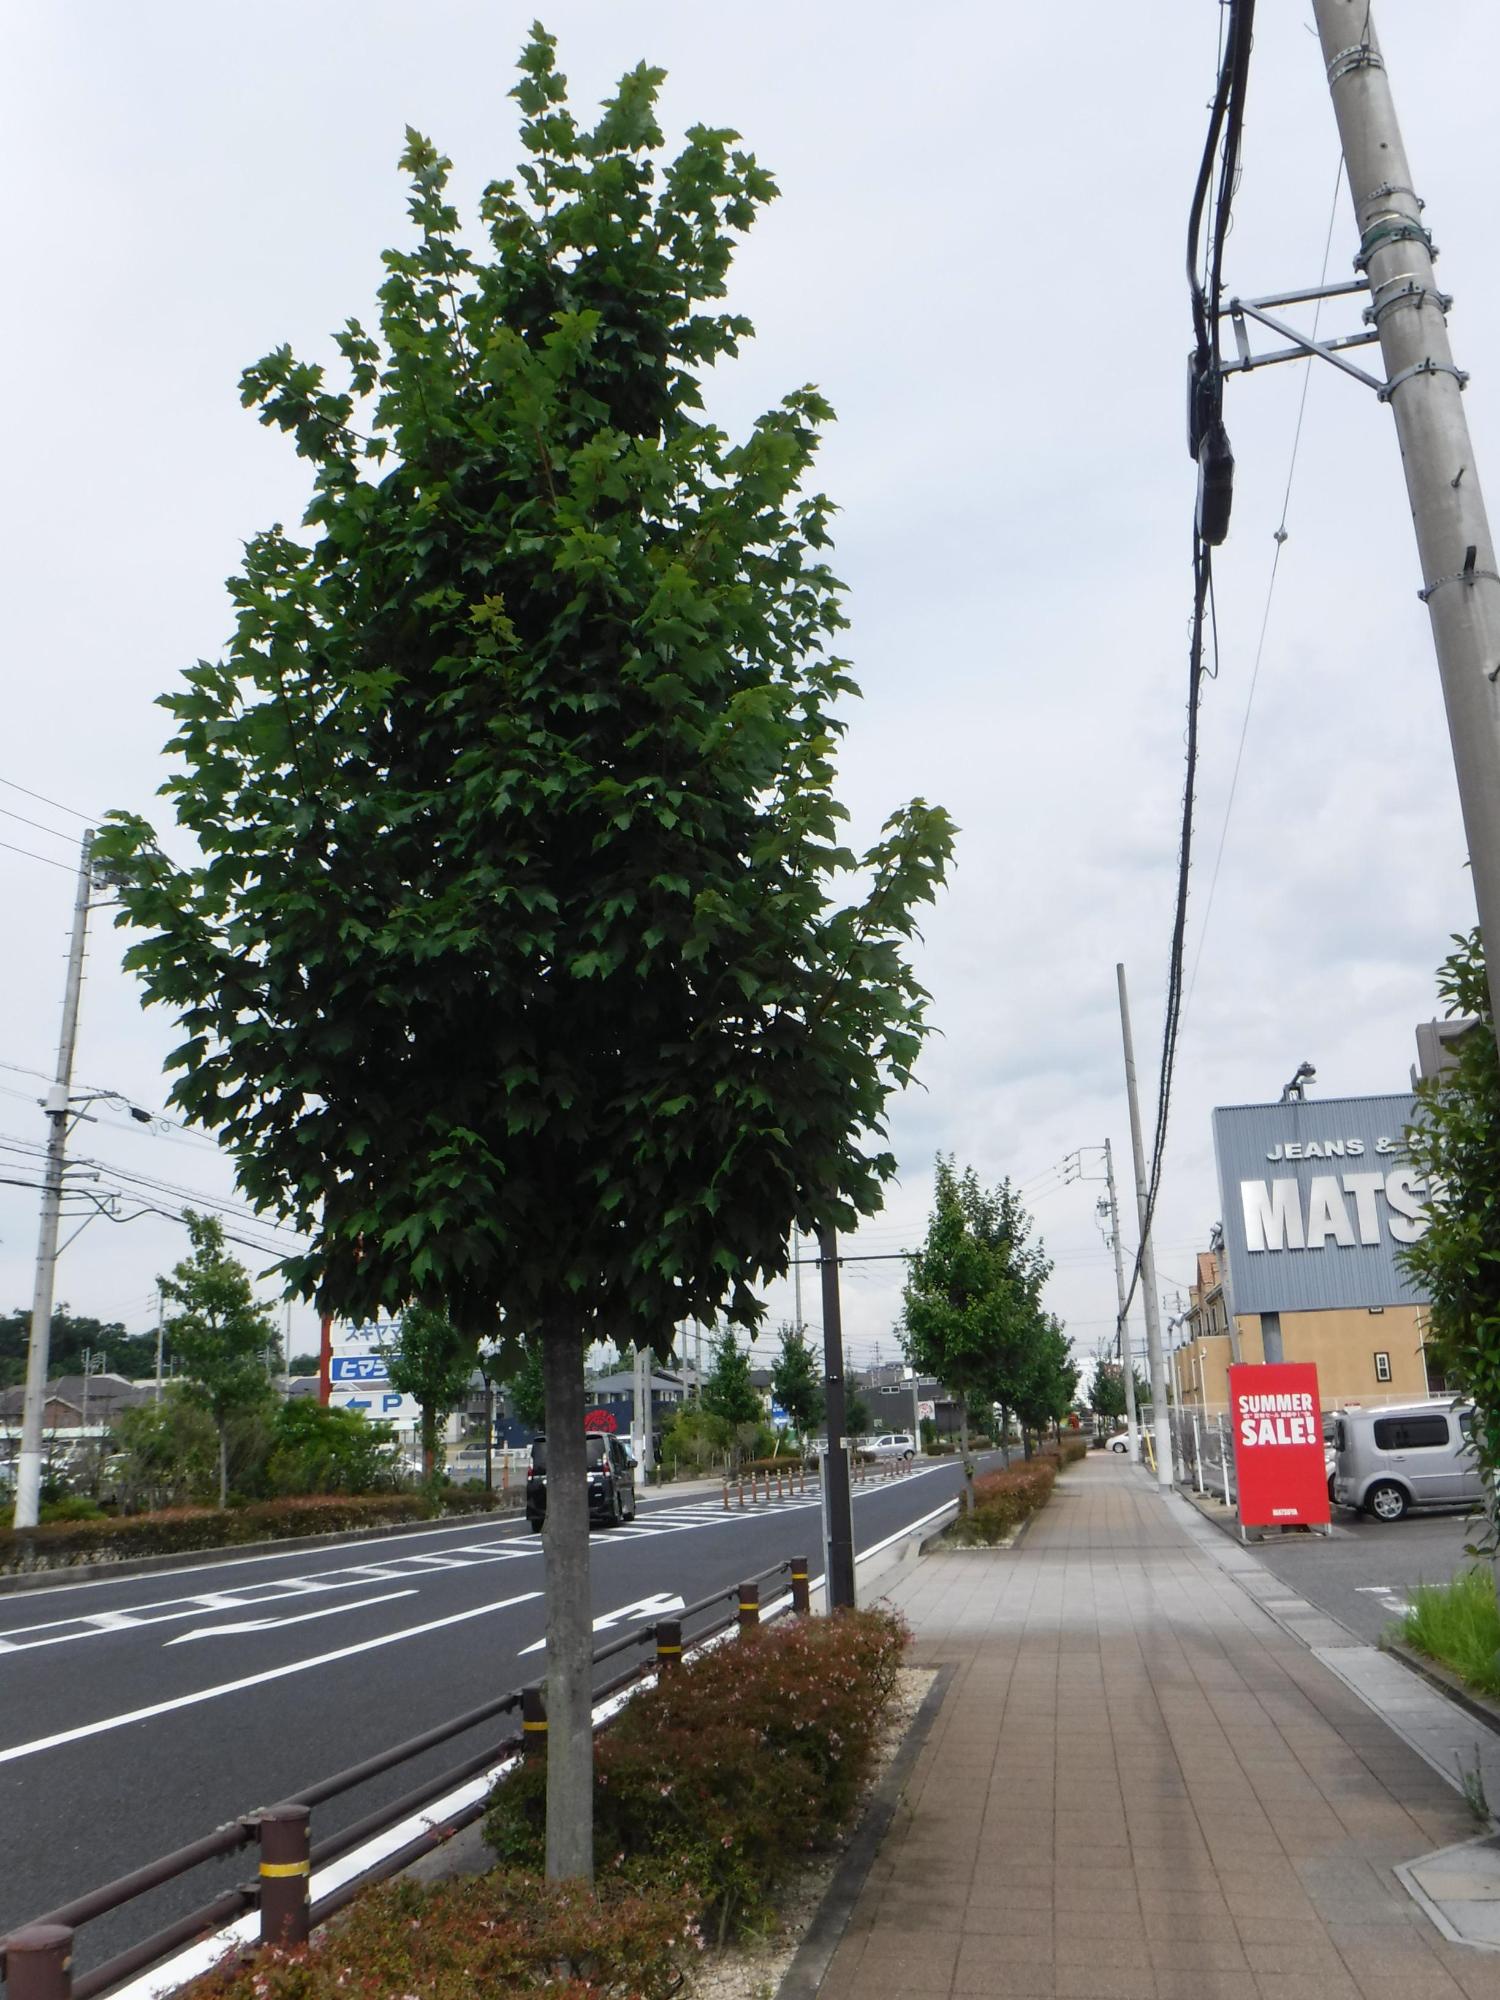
x=1296, y=1091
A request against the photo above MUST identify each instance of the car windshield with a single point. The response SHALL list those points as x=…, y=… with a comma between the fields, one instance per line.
x=596, y=1450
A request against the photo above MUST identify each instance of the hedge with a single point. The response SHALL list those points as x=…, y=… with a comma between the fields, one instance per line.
x=500, y=1933
x=710, y=1789
x=179, y=1530
x=1003, y=1500
x=720, y=1779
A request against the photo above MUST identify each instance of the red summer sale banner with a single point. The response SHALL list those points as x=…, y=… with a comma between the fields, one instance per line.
x=1278, y=1444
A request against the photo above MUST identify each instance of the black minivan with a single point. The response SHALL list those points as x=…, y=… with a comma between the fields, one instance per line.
x=611, y=1482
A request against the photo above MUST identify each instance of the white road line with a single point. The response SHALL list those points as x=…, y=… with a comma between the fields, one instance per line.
x=276, y=1624
x=166, y=1979
x=108, y=1722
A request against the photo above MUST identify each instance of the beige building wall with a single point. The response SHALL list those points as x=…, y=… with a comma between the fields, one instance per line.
x=1342, y=1345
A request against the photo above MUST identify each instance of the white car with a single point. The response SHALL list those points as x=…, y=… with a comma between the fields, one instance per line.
x=1120, y=1441
x=893, y=1444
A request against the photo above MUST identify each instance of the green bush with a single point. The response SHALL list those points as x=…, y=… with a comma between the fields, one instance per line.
x=1458, y=1624
x=482, y=1934
x=1003, y=1500
x=719, y=1779
x=317, y=1448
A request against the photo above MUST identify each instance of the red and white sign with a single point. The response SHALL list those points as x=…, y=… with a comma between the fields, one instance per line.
x=1278, y=1445
x=599, y=1420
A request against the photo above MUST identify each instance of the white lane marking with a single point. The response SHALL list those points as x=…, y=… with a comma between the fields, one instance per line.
x=658, y=1606
x=108, y=1722
x=1397, y=1605
x=166, y=1979
x=272, y=1555
x=275, y=1624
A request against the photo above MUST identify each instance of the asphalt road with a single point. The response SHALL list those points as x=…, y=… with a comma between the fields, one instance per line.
x=139, y=1713
x=1364, y=1573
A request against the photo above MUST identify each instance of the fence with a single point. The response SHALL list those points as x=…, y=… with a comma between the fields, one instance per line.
x=37, y=1959
x=1203, y=1451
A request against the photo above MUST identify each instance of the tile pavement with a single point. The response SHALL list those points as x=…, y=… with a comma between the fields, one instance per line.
x=1140, y=1787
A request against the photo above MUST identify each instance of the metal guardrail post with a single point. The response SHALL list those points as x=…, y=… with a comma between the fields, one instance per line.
x=285, y=1875
x=749, y=1607
x=533, y=1723
x=668, y=1644
x=801, y=1594
x=39, y=1963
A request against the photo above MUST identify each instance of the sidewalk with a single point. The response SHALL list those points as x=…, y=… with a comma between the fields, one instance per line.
x=1141, y=1787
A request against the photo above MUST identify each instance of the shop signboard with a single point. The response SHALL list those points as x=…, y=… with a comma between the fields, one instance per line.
x=359, y=1375
x=1278, y=1445
x=1318, y=1199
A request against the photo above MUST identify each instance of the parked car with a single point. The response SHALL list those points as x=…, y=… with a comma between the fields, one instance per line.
x=1120, y=1441
x=1404, y=1457
x=611, y=1477
x=891, y=1444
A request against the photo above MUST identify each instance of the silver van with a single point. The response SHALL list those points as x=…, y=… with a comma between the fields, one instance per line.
x=1390, y=1461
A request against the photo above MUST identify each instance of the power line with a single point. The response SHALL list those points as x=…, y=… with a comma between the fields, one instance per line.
x=1265, y=616
x=89, y=819
x=66, y=866
x=70, y=838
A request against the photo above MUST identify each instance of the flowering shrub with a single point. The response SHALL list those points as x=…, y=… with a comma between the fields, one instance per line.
x=1003, y=1500
x=481, y=1934
x=721, y=1777
x=64, y=1544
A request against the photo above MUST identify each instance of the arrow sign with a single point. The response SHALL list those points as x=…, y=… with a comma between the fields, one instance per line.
x=660, y=1606
x=274, y=1624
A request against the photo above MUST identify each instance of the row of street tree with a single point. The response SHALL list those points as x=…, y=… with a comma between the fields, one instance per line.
x=972, y=1311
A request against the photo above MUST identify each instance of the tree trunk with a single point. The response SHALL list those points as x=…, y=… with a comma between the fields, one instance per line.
x=429, y=1444
x=570, y=1629
x=1005, y=1436
x=223, y=1467
x=963, y=1446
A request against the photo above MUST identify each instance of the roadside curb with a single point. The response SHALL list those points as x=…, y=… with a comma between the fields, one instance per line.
x=1446, y=1682
x=52, y=1579
x=823, y=1936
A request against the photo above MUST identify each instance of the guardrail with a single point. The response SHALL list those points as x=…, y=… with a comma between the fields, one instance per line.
x=36, y=1960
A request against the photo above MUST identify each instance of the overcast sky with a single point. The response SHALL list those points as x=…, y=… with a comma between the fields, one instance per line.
x=978, y=255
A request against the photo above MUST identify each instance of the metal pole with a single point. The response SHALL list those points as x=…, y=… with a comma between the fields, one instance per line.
x=797, y=1274
x=29, y=1464
x=161, y=1314
x=1161, y=1419
x=1127, y=1355
x=1424, y=389
x=839, y=1565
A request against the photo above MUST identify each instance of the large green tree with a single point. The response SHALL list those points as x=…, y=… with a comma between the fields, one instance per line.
x=728, y=1392
x=971, y=1310
x=514, y=967
x=797, y=1381
x=223, y=1338
x=1455, y=1143
x=430, y=1359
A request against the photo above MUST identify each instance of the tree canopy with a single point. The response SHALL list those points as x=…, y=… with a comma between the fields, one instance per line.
x=221, y=1334
x=797, y=1381
x=728, y=1392
x=1455, y=1143
x=521, y=963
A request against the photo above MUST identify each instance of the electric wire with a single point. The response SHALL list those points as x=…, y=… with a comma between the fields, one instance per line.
x=1265, y=616
x=89, y=819
x=67, y=867
x=70, y=838
x=1226, y=124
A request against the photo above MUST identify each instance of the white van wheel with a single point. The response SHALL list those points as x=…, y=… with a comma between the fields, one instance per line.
x=1387, y=1501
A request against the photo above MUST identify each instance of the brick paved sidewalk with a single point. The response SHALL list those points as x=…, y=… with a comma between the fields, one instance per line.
x=1139, y=1787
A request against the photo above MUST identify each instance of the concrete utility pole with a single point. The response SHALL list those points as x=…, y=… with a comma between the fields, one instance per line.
x=29, y=1464
x=838, y=1508
x=1161, y=1416
x=1127, y=1355
x=1460, y=585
